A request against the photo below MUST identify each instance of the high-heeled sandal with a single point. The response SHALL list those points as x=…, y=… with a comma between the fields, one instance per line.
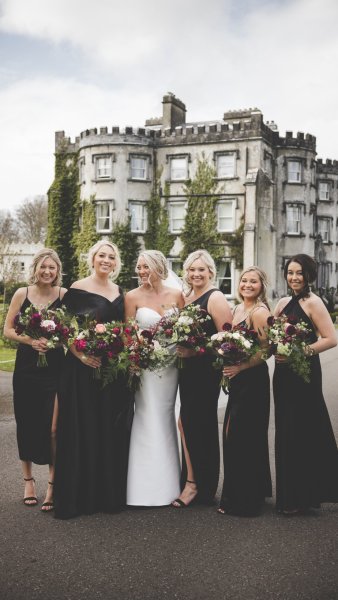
x=30, y=500
x=180, y=502
x=47, y=507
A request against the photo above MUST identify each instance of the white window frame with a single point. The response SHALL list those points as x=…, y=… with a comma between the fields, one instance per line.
x=229, y=170
x=221, y=268
x=136, y=170
x=139, y=222
x=321, y=229
x=106, y=170
x=294, y=171
x=174, y=219
x=289, y=221
x=220, y=204
x=323, y=190
x=183, y=173
x=98, y=205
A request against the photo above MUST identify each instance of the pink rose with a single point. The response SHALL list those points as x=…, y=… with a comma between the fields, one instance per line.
x=80, y=345
x=100, y=328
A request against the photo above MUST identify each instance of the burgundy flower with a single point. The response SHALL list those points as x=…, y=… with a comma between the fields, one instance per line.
x=227, y=327
x=290, y=330
x=116, y=330
x=80, y=345
x=270, y=321
x=147, y=334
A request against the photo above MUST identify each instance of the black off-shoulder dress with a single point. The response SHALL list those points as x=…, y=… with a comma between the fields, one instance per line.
x=93, y=426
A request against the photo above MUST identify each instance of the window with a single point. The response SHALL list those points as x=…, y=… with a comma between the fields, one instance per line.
x=138, y=167
x=138, y=211
x=103, y=216
x=226, y=165
x=179, y=168
x=103, y=167
x=22, y=267
x=226, y=215
x=324, y=229
x=294, y=171
x=323, y=191
x=293, y=220
x=225, y=278
x=177, y=212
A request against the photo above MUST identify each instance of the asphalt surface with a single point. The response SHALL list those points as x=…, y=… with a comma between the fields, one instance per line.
x=189, y=554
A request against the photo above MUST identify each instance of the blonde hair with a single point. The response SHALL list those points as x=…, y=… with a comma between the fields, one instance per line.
x=264, y=284
x=206, y=258
x=38, y=259
x=96, y=248
x=156, y=261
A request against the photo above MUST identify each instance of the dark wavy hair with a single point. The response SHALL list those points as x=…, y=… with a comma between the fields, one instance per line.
x=309, y=268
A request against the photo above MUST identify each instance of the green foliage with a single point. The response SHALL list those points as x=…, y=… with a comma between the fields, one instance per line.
x=63, y=213
x=200, y=228
x=157, y=236
x=234, y=241
x=129, y=248
x=86, y=237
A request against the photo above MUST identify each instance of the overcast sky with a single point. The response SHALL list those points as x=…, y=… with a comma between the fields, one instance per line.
x=75, y=64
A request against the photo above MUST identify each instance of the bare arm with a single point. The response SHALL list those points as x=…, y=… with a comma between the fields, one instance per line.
x=323, y=324
x=219, y=309
x=130, y=305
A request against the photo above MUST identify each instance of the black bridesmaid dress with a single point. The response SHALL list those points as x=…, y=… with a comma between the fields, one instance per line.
x=247, y=479
x=305, y=446
x=93, y=429
x=199, y=384
x=34, y=394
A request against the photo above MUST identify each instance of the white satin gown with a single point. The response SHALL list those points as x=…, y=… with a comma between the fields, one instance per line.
x=154, y=465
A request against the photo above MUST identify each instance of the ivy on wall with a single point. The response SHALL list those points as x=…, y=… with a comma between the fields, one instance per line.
x=200, y=227
x=86, y=237
x=129, y=247
x=157, y=236
x=63, y=213
x=234, y=242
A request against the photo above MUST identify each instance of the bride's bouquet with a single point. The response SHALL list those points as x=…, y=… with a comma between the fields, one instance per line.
x=233, y=346
x=105, y=340
x=288, y=336
x=53, y=324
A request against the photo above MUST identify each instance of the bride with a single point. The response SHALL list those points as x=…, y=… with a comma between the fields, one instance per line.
x=154, y=465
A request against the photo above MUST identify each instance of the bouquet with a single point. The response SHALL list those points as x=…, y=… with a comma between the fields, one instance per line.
x=233, y=346
x=142, y=351
x=187, y=330
x=54, y=325
x=103, y=340
x=288, y=336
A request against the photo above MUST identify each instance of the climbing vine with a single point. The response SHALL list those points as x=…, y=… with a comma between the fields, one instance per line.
x=129, y=247
x=86, y=237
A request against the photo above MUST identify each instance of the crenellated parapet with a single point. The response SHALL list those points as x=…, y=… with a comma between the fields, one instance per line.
x=328, y=167
x=64, y=144
x=301, y=140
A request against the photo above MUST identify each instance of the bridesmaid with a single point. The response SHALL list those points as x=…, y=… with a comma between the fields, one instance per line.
x=247, y=480
x=306, y=450
x=93, y=437
x=35, y=388
x=199, y=385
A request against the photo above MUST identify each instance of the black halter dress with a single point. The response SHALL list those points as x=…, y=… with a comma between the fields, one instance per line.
x=305, y=447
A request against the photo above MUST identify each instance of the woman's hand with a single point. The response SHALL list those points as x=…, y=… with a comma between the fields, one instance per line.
x=183, y=352
x=90, y=361
x=40, y=345
x=280, y=359
x=232, y=370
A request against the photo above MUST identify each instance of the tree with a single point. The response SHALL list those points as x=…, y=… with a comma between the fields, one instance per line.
x=157, y=236
x=129, y=248
x=63, y=212
x=31, y=217
x=9, y=268
x=200, y=228
x=86, y=237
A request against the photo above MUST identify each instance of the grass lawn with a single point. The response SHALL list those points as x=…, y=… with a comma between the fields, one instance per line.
x=6, y=354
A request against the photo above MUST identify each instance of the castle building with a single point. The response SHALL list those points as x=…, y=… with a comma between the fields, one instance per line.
x=285, y=196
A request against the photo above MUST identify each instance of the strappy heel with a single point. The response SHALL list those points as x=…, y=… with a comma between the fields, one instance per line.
x=47, y=507
x=180, y=502
x=30, y=500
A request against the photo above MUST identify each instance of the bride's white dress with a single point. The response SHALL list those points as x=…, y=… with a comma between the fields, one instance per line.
x=154, y=464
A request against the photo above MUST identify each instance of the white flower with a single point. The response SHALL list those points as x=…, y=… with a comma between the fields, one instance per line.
x=247, y=344
x=236, y=335
x=82, y=335
x=184, y=320
x=48, y=325
x=284, y=349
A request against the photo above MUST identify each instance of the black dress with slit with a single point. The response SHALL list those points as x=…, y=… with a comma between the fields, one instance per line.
x=93, y=425
x=305, y=447
x=34, y=391
x=247, y=480
x=199, y=384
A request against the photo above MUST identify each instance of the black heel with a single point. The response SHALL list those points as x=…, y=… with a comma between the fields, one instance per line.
x=180, y=502
x=49, y=505
x=30, y=500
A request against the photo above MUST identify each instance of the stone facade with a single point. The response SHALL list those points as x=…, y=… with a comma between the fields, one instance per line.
x=286, y=197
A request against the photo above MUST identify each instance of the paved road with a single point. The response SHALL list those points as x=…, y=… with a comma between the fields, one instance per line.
x=192, y=554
